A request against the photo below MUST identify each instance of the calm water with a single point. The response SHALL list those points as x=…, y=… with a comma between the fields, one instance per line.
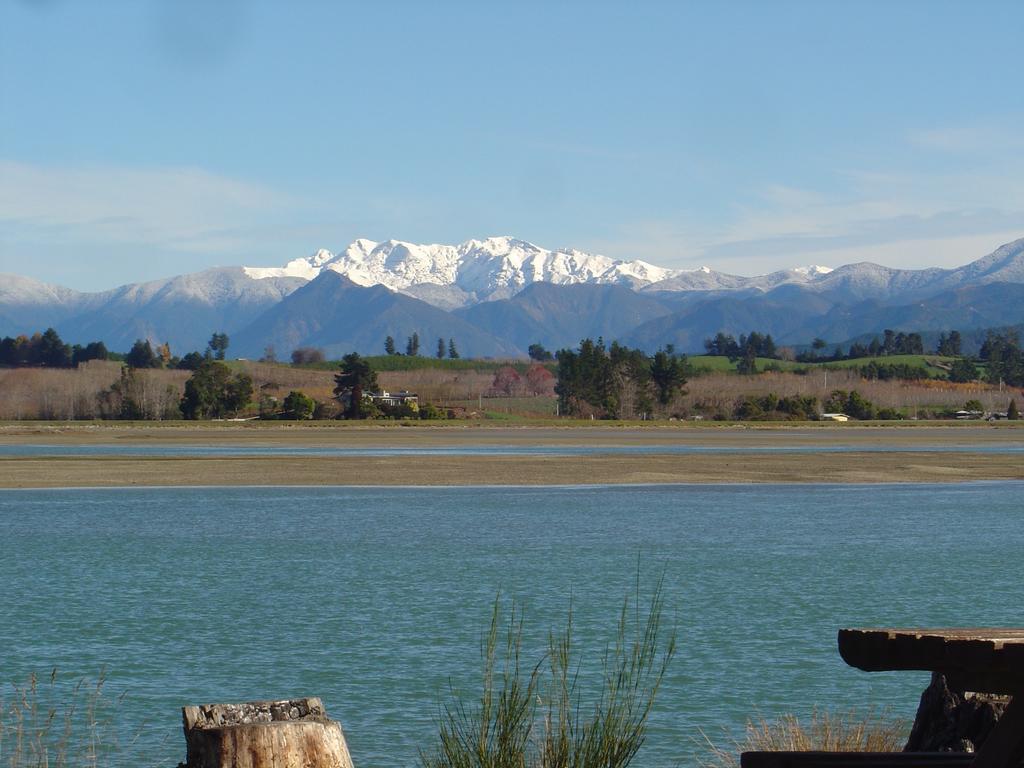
x=374, y=598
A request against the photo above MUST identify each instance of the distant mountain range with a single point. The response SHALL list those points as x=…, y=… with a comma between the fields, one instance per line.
x=497, y=296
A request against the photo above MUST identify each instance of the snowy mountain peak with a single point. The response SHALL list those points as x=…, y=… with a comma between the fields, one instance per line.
x=476, y=270
x=451, y=276
x=812, y=270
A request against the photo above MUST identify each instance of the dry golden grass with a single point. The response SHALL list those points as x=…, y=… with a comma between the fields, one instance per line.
x=719, y=392
x=67, y=394
x=826, y=732
x=60, y=723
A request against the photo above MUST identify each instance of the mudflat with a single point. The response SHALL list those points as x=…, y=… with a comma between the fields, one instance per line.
x=871, y=454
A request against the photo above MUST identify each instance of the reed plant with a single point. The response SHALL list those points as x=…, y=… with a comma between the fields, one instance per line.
x=55, y=723
x=527, y=717
x=850, y=731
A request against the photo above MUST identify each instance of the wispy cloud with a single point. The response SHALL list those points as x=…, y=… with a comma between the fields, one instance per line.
x=926, y=212
x=976, y=138
x=185, y=209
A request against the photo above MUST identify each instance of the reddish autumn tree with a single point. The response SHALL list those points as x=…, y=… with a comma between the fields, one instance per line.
x=506, y=382
x=540, y=381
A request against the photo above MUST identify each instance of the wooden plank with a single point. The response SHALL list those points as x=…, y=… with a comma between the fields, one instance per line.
x=987, y=660
x=855, y=759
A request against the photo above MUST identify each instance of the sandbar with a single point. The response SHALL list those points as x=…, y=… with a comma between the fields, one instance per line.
x=960, y=459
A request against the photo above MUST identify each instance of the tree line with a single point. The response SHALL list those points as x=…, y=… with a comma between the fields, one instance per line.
x=1000, y=354
x=48, y=350
x=616, y=381
x=890, y=343
x=1004, y=361
x=412, y=347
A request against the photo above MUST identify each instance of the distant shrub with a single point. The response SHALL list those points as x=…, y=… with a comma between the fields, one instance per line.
x=851, y=403
x=432, y=412
x=307, y=356
x=888, y=371
x=771, y=407
x=298, y=405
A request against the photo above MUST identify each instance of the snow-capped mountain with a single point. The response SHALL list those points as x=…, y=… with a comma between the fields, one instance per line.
x=179, y=310
x=499, y=294
x=477, y=270
x=707, y=279
x=452, y=276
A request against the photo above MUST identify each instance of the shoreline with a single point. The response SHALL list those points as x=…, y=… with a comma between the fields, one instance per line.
x=596, y=469
x=318, y=432
x=734, y=459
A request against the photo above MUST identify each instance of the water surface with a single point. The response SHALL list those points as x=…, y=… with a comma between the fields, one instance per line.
x=374, y=598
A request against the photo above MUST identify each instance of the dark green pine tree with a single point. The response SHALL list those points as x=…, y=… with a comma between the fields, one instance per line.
x=356, y=377
x=668, y=375
x=453, y=353
x=218, y=345
x=141, y=355
x=440, y=349
x=389, y=345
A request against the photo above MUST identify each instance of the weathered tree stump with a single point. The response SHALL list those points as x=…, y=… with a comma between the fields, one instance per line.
x=294, y=733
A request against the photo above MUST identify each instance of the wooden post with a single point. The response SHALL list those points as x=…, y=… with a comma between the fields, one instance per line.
x=293, y=733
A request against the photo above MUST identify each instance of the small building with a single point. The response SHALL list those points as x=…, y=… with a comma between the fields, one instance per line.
x=393, y=399
x=962, y=415
x=834, y=417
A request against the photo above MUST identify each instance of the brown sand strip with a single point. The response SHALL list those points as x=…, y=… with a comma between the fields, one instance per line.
x=462, y=433
x=856, y=467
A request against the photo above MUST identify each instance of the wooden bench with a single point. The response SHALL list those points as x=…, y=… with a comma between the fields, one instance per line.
x=978, y=660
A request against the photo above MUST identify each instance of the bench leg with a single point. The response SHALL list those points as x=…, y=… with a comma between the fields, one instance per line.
x=1004, y=747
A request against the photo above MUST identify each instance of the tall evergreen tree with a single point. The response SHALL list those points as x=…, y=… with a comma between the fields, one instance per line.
x=949, y=346
x=389, y=346
x=453, y=353
x=51, y=351
x=747, y=364
x=218, y=345
x=94, y=350
x=963, y=370
x=141, y=355
x=355, y=379
x=668, y=373
x=955, y=342
x=440, y=349
x=538, y=353
x=1004, y=359
x=889, y=341
x=412, y=346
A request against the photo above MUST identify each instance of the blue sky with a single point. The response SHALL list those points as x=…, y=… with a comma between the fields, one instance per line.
x=141, y=139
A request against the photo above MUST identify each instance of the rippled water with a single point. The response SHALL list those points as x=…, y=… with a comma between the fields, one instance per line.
x=374, y=598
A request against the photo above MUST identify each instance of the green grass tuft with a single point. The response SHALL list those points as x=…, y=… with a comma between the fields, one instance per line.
x=526, y=719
